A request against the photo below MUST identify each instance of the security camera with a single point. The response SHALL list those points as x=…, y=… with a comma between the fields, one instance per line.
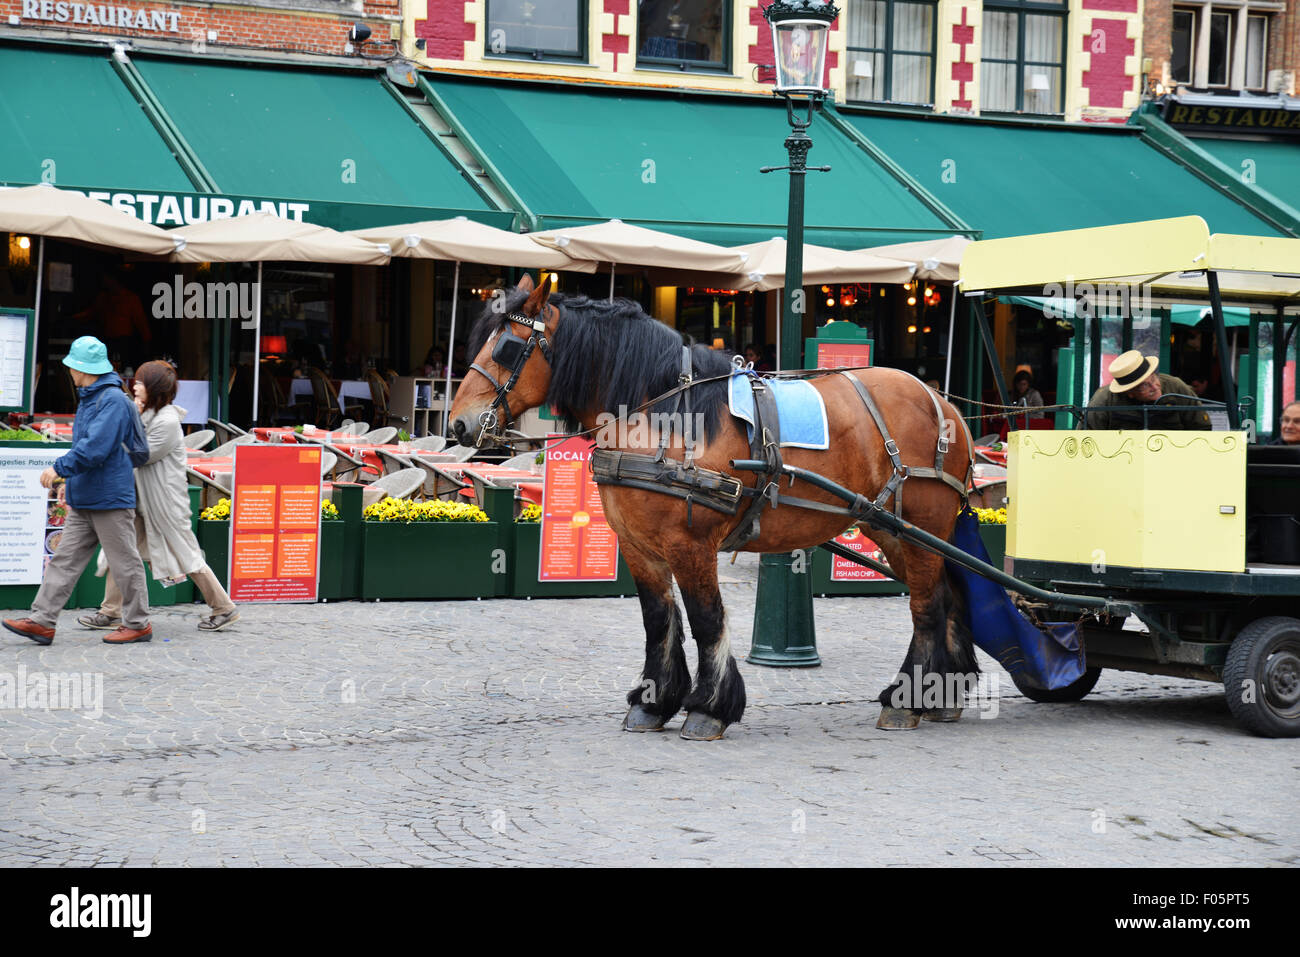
x=359, y=33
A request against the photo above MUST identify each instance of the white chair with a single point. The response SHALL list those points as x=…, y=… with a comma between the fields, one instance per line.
x=524, y=460
x=327, y=462
x=393, y=462
x=460, y=453
x=196, y=440
x=229, y=448
x=401, y=484
x=381, y=436
x=430, y=443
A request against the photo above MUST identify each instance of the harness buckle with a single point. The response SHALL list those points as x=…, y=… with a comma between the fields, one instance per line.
x=892, y=448
x=943, y=444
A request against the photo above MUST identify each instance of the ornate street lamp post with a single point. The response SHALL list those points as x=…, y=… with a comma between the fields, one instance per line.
x=784, y=633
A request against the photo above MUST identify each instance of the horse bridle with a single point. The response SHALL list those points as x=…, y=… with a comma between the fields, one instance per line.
x=510, y=352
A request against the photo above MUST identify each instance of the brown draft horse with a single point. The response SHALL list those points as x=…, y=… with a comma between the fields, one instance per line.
x=589, y=357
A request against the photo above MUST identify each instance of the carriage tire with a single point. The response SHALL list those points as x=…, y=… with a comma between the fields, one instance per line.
x=1261, y=677
x=1077, y=690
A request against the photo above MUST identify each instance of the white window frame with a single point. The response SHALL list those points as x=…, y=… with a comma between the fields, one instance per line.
x=1239, y=12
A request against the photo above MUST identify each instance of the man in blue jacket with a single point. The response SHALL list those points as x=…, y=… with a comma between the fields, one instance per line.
x=100, y=494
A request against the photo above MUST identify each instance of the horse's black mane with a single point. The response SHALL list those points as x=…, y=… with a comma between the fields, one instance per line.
x=612, y=356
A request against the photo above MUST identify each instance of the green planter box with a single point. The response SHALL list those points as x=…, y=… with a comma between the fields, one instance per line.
x=335, y=584
x=36, y=444
x=995, y=540
x=19, y=597
x=523, y=572
x=424, y=560
x=214, y=539
x=824, y=585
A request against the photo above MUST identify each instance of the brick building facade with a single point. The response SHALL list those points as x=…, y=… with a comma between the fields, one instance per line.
x=234, y=29
x=1253, y=45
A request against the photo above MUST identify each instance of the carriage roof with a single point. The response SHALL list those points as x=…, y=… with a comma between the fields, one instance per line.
x=1173, y=255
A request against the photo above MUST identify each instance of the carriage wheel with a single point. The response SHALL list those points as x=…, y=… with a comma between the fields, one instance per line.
x=1075, y=691
x=1261, y=677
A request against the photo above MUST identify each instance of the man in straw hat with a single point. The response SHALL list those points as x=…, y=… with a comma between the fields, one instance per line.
x=1135, y=382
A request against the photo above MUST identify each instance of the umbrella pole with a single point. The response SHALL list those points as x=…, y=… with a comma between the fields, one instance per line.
x=36, y=323
x=952, y=327
x=451, y=342
x=257, y=344
x=611, y=282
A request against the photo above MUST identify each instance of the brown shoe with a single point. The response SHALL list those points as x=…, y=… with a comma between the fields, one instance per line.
x=30, y=629
x=125, y=635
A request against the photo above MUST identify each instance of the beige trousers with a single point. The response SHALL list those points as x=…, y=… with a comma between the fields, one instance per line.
x=83, y=530
x=204, y=579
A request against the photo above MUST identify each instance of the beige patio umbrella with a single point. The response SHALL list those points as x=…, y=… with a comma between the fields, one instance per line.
x=935, y=259
x=463, y=240
x=765, y=266
x=618, y=242
x=261, y=237
x=46, y=210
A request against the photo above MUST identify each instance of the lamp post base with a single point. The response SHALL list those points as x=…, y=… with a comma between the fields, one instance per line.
x=784, y=633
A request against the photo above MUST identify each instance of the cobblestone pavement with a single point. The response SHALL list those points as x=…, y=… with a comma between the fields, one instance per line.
x=488, y=733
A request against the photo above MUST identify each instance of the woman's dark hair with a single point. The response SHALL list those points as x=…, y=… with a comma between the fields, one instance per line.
x=159, y=380
x=1022, y=374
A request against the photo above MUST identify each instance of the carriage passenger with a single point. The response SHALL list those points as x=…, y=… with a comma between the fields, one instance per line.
x=1135, y=382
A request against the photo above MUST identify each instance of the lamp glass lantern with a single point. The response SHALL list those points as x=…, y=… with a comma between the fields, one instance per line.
x=800, y=37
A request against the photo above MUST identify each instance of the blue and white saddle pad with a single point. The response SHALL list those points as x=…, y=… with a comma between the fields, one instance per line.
x=800, y=406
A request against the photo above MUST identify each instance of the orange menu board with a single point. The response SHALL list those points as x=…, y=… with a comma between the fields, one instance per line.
x=848, y=355
x=843, y=355
x=577, y=543
x=275, y=523
x=843, y=570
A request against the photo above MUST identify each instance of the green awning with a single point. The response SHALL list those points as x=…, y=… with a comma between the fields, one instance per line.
x=684, y=163
x=67, y=117
x=1011, y=179
x=310, y=134
x=1275, y=165
x=1191, y=315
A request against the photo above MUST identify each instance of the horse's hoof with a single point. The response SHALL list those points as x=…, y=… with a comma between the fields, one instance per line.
x=699, y=726
x=639, y=719
x=898, y=719
x=943, y=715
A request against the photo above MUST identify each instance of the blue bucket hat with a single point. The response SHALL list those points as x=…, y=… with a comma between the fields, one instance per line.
x=88, y=355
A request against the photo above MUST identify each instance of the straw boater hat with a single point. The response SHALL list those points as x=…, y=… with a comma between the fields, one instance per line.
x=1130, y=369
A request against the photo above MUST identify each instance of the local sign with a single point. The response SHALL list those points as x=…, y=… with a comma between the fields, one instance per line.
x=1238, y=119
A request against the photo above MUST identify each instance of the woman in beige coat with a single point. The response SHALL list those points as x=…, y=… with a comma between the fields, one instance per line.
x=162, y=514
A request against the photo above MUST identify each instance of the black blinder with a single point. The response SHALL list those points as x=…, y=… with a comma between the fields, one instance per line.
x=509, y=350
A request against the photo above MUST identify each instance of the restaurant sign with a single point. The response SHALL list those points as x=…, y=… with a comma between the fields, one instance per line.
x=170, y=209
x=1236, y=119
x=103, y=15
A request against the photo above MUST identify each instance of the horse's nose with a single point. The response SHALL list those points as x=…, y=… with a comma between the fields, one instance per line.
x=458, y=426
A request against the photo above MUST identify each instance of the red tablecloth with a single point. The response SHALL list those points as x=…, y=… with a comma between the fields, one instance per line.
x=210, y=466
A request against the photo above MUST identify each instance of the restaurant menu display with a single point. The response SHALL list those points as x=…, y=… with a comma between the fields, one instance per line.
x=843, y=355
x=275, y=523
x=14, y=326
x=848, y=355
x=577, y=542
x=31, y=520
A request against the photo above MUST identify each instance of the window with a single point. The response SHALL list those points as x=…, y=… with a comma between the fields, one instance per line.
x=1184, y=51
x=1256, y=51
x=1023, y=57
x=537, y=28
x=687, y=34
x=1220, y=46
x=891, y=51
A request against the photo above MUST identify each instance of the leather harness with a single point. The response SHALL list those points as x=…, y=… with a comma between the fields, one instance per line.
x=725, y=494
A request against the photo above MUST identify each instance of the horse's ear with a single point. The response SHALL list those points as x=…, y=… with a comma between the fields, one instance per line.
x=537, y=299
x=525, y=283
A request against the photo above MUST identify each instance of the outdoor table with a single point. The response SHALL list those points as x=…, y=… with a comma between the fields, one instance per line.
x=210, y=466
x=358, y=389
